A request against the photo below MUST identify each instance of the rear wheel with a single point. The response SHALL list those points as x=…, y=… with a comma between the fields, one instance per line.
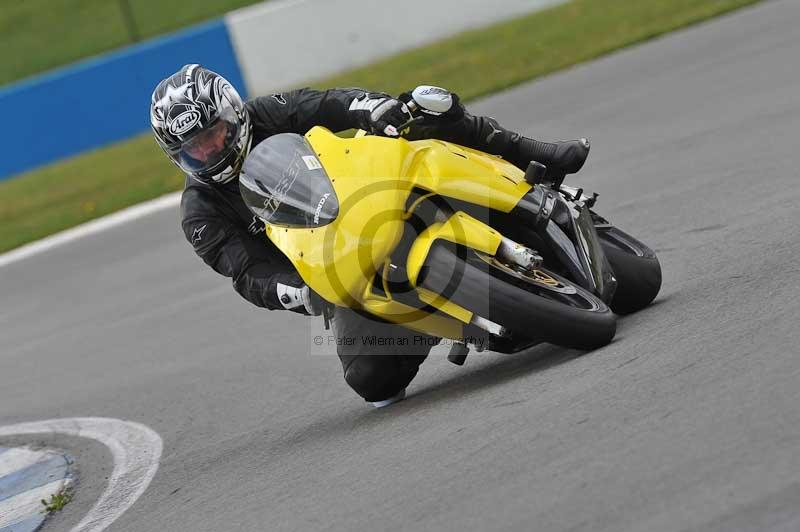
x=536, y=303
x=636, y=268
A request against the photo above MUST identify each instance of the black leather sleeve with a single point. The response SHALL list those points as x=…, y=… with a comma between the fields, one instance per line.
x=232, y=252
x=299, y=110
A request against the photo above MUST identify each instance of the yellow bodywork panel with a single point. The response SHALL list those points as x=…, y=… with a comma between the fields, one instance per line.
x=460, y=228
x=456, y=172
x=415, y=319
x=445, y=305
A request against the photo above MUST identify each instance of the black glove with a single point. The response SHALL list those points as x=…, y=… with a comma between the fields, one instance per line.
x=379, y=114
x=293, y=294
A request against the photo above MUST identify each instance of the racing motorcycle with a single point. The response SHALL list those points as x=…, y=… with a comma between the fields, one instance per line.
x=447, y=240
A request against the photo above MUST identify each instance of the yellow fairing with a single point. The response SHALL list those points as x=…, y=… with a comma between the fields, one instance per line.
x=372, y=178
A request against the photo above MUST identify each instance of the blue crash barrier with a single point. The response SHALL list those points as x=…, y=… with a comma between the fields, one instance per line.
x=104, y=99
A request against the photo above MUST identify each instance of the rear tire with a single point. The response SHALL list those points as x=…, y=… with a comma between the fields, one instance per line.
x=636, y=268
x=541, y=305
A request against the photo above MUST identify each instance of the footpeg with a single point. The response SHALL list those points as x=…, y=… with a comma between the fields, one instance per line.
x=535, y=173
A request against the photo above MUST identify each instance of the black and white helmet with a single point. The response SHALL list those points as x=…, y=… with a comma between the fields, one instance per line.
x=201, y=123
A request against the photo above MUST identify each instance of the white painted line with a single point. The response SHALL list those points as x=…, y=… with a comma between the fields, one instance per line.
x=20, y=458
x=28, y=504
x=136, y=450
x=89, y=228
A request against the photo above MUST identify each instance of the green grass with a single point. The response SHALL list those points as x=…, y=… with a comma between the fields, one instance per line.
x=473, y=64
x=79, y=189
x=483, y=61
x=57, y=501
x=43, y=34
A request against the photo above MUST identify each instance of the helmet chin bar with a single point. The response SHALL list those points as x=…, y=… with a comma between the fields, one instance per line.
x=230, y=172
x=225, y=176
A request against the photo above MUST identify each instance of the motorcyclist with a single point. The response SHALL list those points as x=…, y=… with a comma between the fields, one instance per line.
x=205, y=128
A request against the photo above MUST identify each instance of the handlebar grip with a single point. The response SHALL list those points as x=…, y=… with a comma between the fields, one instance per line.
x=410, y=123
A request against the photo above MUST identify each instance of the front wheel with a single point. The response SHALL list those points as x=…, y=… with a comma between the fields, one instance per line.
x=536, y=303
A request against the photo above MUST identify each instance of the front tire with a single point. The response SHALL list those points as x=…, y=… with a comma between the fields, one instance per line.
x=536, y=304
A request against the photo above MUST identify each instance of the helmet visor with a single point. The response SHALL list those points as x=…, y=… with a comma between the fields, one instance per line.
x=206, y=150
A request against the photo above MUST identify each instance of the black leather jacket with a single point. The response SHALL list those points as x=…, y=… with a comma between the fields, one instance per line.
x=226, y=235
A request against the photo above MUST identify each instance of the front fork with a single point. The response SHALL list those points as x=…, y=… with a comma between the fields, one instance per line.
x=567, y=228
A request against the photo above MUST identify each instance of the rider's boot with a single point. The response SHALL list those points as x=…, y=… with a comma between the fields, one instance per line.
x=565, y=157
x=486, y=134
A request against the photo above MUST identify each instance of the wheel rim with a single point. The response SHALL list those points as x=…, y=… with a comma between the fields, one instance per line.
x=545, y=283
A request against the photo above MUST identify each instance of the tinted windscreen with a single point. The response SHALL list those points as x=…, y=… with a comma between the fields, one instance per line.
x=283, y=183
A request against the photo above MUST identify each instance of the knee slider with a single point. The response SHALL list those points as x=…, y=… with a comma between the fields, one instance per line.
x=377, y=377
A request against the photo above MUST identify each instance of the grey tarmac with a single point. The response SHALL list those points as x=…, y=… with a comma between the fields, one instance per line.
x=688, y=421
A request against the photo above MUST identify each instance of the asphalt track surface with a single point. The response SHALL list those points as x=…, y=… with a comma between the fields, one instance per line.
x=689, y=420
